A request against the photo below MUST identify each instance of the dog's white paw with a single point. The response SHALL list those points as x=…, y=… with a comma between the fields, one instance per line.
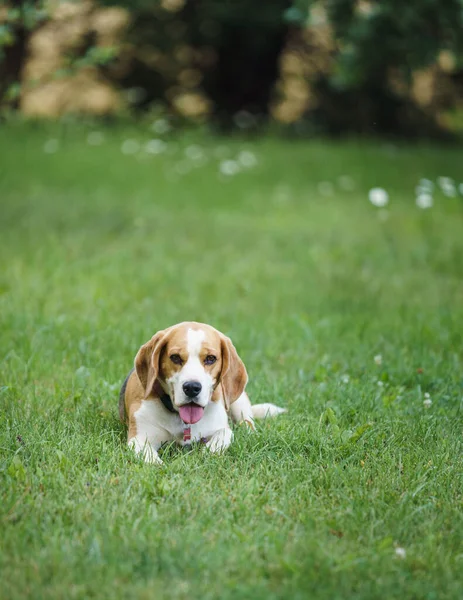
x=220, y=441
x=152, y=457
x=146, y=450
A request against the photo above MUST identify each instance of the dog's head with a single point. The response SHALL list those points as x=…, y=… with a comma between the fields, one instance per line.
x=190, y=361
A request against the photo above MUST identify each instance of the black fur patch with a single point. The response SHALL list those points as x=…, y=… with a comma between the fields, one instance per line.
x=122, y=415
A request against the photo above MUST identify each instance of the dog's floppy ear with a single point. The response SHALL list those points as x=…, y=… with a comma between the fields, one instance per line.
x=233, y=376
x=147, y=361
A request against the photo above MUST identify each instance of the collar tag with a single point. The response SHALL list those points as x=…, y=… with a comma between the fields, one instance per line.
x=187, y=434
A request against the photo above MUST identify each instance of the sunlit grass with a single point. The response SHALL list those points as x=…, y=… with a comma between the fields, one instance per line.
x=348, y=314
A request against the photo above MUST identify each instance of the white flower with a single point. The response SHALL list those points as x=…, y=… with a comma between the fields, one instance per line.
x=229, y=167
x=130, y=147
x=421, y=189
x=160, y=126
x=378, y=197
x=449, y=190
x=427, y=395
x=447, y=185
x=194, y=152
x=401, y=553
x=380, y=383
x=83, y=372
x=378, y=359
x=155, y=146
x=51, y=146
x=427, y=402
x=95, y=138
x=346, y=183
x=247, y=159
x=425, y=185
x=443, y=181
x=325, y=188
x=112, y=387
x=424, y=200
x=345, y=378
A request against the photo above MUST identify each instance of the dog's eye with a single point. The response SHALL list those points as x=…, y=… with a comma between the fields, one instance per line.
x=210, y=360
x=176, y=359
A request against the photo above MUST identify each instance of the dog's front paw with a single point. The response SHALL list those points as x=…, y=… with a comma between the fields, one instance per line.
x=220, y=441
x=146, y=450
x=152, y=457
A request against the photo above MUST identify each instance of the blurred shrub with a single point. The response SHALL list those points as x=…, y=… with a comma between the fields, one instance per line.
x=388, y=65
x=18, y=19
x=204, y=56
x=360, y=65
x=383, y=45
x=55, y=54
x=326, y=65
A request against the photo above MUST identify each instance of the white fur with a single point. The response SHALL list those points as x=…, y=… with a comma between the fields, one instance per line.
x=142, y=446
x=156, y=426
x=262, y=411
x=192, y=370
x=220, y=440
x=242, y=410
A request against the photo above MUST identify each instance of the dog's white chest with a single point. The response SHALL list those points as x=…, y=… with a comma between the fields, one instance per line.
x=154, y=421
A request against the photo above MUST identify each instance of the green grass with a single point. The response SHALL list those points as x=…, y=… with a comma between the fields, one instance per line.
x=99, y=250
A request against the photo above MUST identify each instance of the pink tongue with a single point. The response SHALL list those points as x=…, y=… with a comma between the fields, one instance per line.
x=191, y=413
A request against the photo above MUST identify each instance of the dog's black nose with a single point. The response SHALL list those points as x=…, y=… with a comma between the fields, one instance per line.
x=192, y=388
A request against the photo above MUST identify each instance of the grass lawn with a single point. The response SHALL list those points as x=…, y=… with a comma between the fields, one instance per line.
x=356, y=492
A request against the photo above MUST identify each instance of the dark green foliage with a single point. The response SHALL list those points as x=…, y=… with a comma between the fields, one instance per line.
x=373, y=40
x=233, y=52
x=19, y=20
x=244, y=41
x=392, y=34
x=376, y=39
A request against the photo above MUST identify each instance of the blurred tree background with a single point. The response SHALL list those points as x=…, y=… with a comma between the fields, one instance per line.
x=335, y=66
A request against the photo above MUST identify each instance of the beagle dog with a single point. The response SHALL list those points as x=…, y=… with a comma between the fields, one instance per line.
x=186, y=381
